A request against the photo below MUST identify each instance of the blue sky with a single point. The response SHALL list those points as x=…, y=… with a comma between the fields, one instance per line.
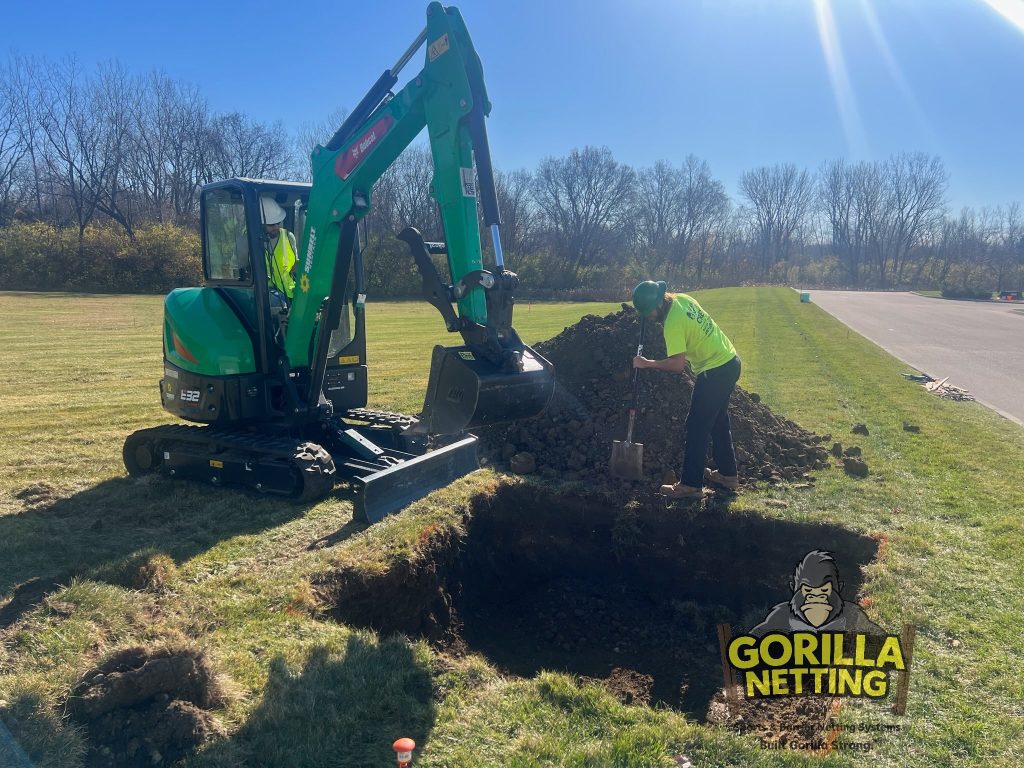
x=739, y=83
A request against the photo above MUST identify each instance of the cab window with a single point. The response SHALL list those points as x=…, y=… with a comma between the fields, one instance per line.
x=226, y=241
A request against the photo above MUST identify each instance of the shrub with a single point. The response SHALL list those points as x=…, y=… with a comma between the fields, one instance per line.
x=35, y=256
x=965, y=292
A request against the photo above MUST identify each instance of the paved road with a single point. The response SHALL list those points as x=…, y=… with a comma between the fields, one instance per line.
x=979, y=345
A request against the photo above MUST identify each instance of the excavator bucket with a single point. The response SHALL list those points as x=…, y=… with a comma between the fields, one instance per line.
x=465, y=391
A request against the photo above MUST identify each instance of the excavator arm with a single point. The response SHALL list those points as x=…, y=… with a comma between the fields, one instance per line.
x=492, y=376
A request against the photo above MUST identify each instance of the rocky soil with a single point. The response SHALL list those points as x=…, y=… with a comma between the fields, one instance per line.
x=572, y=439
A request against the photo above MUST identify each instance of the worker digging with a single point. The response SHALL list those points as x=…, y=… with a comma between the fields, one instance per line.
x=693, y=338
x=569, y=441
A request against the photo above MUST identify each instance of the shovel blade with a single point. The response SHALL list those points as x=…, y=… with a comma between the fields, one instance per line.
x=627, y=460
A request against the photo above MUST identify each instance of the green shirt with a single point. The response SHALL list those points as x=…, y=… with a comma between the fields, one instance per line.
x=690, y=330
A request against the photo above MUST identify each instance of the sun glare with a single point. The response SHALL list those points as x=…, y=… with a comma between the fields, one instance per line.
x=1011, y=10
x=841, y=88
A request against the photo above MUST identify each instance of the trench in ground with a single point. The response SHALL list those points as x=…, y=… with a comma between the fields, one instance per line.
x=629, y=596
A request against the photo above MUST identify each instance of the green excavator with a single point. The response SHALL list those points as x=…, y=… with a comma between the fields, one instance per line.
x=280, y=384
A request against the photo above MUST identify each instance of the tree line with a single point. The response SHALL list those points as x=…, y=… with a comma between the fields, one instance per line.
x=107, y=165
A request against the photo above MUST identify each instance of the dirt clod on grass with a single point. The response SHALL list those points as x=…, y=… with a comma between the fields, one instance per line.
x=146, y=707
x=855, y=467
x=572, y=439
x=145, y=570
x=795, y=722
x=37, y=493
x=627, y=685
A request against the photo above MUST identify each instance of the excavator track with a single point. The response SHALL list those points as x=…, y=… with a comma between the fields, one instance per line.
x=383, y=418
x=298, y=469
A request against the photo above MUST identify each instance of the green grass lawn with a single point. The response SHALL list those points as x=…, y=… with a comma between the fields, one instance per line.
x=79, y=373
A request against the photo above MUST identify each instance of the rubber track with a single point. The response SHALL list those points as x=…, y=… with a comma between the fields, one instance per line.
x=211, y=440
x=256, y=442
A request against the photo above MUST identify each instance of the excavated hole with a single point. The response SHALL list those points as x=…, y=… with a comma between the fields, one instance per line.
x=629, y=597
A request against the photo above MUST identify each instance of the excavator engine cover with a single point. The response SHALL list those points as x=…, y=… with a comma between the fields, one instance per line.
x=466, y=391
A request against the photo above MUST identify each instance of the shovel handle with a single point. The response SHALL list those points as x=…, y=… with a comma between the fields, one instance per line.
x=636, y=371
x=636, y=383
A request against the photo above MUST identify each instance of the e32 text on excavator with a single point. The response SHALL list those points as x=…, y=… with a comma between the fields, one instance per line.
x=279, y=382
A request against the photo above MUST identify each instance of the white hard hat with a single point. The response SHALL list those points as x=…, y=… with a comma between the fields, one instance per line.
x=272, y=212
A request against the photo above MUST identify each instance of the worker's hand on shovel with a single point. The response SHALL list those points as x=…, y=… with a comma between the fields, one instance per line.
x=641, y=362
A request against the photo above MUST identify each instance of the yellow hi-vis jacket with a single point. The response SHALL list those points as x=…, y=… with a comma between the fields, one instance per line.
x=280, y=263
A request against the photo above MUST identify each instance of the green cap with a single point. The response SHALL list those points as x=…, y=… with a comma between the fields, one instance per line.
x=648, y=295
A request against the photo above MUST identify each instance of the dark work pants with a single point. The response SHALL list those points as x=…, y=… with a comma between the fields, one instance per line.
x=709, y=417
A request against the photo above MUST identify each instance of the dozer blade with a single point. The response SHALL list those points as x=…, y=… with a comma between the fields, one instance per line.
x=465, y=391
x=387, y=491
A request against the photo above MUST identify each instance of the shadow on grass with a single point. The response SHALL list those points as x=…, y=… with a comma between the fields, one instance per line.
x=39, y=735
x=96, y=533
x=339, y=710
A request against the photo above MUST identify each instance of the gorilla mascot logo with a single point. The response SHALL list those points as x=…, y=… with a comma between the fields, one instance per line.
x=816, y=604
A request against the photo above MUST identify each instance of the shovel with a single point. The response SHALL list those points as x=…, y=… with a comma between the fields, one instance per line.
x=628, y=457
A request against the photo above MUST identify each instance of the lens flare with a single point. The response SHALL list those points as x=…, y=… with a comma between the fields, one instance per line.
x=896, y=72
x=841, y=88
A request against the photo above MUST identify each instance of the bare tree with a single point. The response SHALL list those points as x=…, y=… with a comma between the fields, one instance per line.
x=110, y=103
x=168, y=125
x=240, y=146
x=1010, y=265
x=519, y=216
x=780, y=197
x=850, y=198
x=703, y=208
x=658, y=198
x=22, y=85
x=14, y=144
x=677, y=211
x=313, y=133
x=586, y=197
x=914, y=202
x=70, y=136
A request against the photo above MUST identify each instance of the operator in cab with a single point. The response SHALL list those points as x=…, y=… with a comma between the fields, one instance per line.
x=280, y=248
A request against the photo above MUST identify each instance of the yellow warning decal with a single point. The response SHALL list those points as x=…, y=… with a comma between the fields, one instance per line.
x=217, y=464
x=438, y=47
x=348, y=359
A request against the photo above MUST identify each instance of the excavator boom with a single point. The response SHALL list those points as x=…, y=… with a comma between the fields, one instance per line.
x=492, y=376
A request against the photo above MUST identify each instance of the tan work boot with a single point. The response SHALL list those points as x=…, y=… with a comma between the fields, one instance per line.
x=729, y=482
x=680, y=491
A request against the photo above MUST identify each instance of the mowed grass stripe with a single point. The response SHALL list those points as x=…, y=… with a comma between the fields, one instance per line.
x=943, y=505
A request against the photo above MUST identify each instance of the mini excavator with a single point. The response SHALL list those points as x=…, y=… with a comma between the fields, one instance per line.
x=278, y=385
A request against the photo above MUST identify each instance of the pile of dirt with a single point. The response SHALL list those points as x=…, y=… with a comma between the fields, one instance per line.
x=146, y=707
x=803, y=723
x=572, y=438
